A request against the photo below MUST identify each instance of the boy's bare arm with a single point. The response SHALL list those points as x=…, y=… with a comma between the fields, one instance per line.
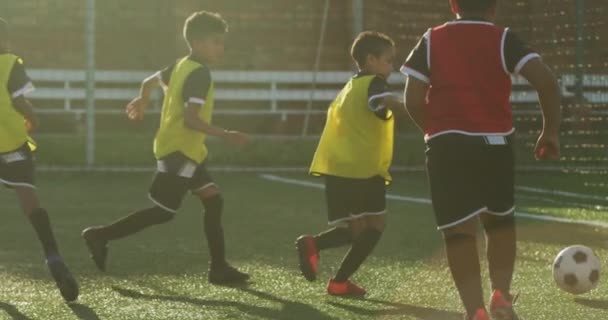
x=194, y=122
x=25, y=108
x=136, y=108
x=396, y=106
x=542, y=79
x=415, y=97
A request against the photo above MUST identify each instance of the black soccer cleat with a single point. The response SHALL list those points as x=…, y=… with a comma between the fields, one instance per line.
x=226, y=275
x=68, y=287
x=308, y=256
x=97, y=247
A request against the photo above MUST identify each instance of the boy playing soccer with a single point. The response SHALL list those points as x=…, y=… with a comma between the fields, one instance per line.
x=17, y=117
x=354, y=156
x=458, y=93
x=179, y=148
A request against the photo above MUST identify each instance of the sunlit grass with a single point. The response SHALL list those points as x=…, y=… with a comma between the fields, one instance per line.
x=161, y=273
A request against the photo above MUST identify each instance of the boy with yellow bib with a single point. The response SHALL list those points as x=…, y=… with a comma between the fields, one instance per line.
x=180, y=148
x=354, y=156
x=17, y=118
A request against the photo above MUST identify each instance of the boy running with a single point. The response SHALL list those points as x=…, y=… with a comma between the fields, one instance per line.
x=180, y=148
x=17, y=117
x=354, y=156
x=458, y=93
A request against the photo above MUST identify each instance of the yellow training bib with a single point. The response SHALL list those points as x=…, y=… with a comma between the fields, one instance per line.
x=13, y=133
x=355, y=143
x=173, y=135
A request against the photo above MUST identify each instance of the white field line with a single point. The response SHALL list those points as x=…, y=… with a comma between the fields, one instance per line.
x=303, y=183
x=257, y=169
x=565, y=203
x=562, y=193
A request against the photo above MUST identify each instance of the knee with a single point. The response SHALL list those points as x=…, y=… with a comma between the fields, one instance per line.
x=356, y=226
x=493, y=224
x=377, y=223
x=465, y=229
x=208, y=192
x=213, y=203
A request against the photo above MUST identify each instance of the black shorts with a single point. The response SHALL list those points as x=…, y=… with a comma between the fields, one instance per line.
x=470, y=175
x=175, y=176
x=17, y=168
x=348, y=198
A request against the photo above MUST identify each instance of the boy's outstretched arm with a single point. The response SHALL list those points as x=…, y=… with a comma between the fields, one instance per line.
x=396, y=106
x=542, y=79
x=415, y=97
x=25, y=108
x=194, y=122
x=137, y=106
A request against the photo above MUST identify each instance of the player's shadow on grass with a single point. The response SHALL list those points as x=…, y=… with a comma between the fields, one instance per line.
x=397, y=309
x=12, y=312
x=83, y=312
x=592, y=303
x=288, y=311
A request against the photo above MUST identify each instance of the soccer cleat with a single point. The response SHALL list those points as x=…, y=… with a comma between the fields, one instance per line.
x=346, y=288
x=97, y=247
x=226, y=275
x=68, y=287
x=501, y=307
x=308, y=256
x=481, y=314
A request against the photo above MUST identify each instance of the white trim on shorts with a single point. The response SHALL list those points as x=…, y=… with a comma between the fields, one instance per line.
x=501, y=214
x=463, y=220
x=208, y=185
x=13, y=157
x=187, y=170
x=475, y=214
x=427, y=137
x=160, y=204
x=355, y=216
x=17, y=184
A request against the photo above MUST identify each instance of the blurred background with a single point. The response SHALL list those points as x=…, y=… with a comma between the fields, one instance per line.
x=285, y=61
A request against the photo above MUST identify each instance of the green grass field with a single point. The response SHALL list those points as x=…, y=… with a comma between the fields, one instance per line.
x=161, y=272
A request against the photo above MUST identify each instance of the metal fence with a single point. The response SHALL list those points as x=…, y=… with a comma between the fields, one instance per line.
x=270, y=86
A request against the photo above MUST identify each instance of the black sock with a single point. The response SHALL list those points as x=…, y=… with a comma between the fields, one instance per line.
x=333, y=238
x=134, y=223
x=362, y=247
x=214, y=231
x=42, y=225
x=501, y=251
x=463, y=260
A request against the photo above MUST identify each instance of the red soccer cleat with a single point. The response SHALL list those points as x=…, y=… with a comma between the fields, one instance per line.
x=481, y=314
x=346, y=288
x=501, y=307
x=309, y=257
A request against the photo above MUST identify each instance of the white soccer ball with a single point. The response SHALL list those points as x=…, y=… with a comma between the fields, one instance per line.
x=576, y=270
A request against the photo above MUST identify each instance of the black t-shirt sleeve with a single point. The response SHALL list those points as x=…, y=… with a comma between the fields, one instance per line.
x=378, y=90
x=417, y=65
x=517, y=52
x=19, y=83
x=196, y=86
